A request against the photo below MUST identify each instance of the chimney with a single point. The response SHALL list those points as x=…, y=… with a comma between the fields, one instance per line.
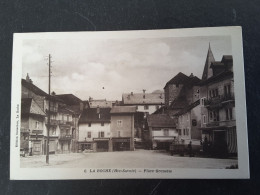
x=98, y=112
x=53, y=93
x=27, y=78
x=191, y=75
x=144, y=93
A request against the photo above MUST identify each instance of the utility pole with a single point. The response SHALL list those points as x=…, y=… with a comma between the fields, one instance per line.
x=48, y=113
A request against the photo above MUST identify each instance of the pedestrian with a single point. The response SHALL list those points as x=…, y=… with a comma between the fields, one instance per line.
x=190, y=149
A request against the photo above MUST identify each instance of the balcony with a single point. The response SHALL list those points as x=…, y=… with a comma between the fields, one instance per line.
x=213, y=124
x=65, y=137
x=62, y=122
x=53, y=122
x=52, y=110
x=218, y=101
x=227, y=97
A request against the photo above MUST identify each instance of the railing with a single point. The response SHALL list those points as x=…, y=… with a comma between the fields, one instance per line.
x=213, y=124
x=65, y=136
x=52, y=109
x=63, y=122
x=227, y=97
x=219, y=99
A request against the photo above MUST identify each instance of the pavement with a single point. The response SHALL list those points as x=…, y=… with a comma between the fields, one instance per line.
x=125, y=159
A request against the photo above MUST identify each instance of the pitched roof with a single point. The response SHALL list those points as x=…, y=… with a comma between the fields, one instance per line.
x=33, y=88
x=123, y=109
x=160, y=120
x=217, y=77
x=29, y=106
x=65, y=110
x=180, y=78
x=188, y=108
x=69, y=99
x=179, y=103
x=141, y=98
x=91, y=115
x=100, y=103
x=227, y=58
x=210, y=58
x=30, y=86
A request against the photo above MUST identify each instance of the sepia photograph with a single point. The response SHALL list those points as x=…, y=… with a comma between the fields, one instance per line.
x=129, y=104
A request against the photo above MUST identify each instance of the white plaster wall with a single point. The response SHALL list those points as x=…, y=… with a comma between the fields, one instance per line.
x=94, y=129
x=152, y=108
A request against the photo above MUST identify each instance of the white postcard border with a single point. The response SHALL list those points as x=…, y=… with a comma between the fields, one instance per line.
x=17, y=173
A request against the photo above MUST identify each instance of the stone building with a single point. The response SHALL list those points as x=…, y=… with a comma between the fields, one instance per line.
x=161, y=131
x=59, y=142
x=147, y=103
x=75, y=105
x=122, y=127
x=32, y=125
x=218, y=111
x=94, y=130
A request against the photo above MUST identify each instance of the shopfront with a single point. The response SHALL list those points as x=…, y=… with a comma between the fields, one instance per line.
x=121, y=144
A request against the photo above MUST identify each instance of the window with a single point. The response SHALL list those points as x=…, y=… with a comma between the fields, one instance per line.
x=204, y=119
x=210, y=115
x=102, y=124
x=89, y=134
x=227, y=90
x=213, y=93
x=37, y=125
x=166, y=132
x=229, y=114
x=118, y=134
x=215, y=115
x=177, y=85
x=216, y=92
x=157, y=107
x=202, y=101
x=89, y=124
x=187, y=131
x=102, y=134
x=146, y=107
x=36, y=147
x=119, y=123
x=53, y=131
x=188, y=117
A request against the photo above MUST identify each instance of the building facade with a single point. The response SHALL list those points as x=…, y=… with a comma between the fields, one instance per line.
x=32, y=125
x=161, y=131
x=218, y=111
x=147, y=103
x=122, y=127
x=94, y=130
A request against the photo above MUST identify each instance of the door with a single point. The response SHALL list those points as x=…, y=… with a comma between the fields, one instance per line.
x=102, y=146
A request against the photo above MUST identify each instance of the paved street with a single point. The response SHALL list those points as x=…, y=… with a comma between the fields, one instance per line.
x=126, y=159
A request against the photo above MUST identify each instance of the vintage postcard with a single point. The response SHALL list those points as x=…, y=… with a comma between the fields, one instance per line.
x=129, y=104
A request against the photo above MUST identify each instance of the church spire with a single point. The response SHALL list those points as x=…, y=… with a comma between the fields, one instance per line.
x=207, y=72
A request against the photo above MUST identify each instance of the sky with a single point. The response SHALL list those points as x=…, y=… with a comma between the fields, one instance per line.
x=106, y=68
